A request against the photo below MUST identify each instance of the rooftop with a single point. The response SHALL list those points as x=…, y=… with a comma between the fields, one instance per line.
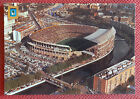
x=25, y=27
x=115, y=70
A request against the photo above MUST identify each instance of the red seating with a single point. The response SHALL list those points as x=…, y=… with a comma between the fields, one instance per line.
x=61, y=32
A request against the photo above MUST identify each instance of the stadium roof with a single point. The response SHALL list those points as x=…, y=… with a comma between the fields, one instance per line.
x=101, y=35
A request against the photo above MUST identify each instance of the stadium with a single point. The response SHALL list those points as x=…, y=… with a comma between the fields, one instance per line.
x=64, y=41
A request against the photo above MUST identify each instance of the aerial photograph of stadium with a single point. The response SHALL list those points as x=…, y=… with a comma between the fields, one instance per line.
x=69, y=48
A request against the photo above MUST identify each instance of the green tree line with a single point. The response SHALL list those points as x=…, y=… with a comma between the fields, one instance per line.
x=60, y=66
x=21, y=80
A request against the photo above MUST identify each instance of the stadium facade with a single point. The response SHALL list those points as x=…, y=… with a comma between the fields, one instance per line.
x=66, y=40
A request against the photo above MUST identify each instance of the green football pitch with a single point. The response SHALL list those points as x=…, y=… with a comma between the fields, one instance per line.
x=77, y=44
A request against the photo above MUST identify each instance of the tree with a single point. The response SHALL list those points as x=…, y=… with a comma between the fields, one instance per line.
x=38, y=75
x=72, y=91
x=80, y=11
x=131, y=80
x=120, y=89
x=22, y=80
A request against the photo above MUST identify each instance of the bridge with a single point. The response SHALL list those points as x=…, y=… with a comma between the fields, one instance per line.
x=55, y=81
